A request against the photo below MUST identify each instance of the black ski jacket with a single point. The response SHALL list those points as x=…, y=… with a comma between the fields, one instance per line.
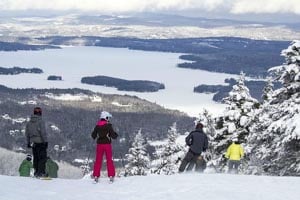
x=103, y=133
x=197, y=140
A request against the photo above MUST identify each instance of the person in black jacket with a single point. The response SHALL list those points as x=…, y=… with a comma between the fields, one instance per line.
x=37, y=140
x=198, y=143
x=103, y=133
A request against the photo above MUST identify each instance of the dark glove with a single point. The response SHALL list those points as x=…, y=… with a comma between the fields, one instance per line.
x=46, y=145
x=29, y=145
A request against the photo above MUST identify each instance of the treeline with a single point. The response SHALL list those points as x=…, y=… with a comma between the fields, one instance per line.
x=15, y=46
x=124, y=85
x=221, y=91
x=253, y=64
x=19, y=70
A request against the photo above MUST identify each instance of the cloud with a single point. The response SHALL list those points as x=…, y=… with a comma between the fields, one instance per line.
x=110, y=5
x=226, y=6
x=265, y=6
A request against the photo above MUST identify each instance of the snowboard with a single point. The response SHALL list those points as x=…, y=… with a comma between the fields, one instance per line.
x=45, y=178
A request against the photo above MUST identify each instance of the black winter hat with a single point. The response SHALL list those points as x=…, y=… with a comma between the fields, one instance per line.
x=199, y=125
x=37, y=111
x=28, y=157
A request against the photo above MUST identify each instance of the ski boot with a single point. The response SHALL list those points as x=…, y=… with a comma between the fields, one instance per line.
x=96, y=179
x=111, y=179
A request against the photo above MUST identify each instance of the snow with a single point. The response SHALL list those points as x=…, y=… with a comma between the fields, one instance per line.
x=82, y=161
x=120, y=105
x=244, y=120
x=174, y=187
x=17, y=120
x=55, y=128
x=96, y=99
x=67, y=97
x=32, y=102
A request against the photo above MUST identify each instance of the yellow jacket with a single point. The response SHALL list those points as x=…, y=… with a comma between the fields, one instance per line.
x=234, y=152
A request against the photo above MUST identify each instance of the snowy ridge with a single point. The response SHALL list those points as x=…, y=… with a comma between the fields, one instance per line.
x=176, y=187
x=111, y=26
x=146, y=32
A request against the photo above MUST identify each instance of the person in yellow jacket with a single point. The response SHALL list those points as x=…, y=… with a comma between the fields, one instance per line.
x=234, y=153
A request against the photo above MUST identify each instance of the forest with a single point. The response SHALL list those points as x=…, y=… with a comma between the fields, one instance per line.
x=124, y=85
x=221, y=91
x=15, y=46
x=19, y=70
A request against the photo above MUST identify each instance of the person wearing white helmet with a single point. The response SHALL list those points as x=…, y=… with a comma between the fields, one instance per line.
x=105, y=115
x=103, y=133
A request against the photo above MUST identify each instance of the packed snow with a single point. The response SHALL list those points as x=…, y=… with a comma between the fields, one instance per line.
x=190, y=186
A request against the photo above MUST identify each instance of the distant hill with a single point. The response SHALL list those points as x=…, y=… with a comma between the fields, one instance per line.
x=15, y=46
x=71, y=115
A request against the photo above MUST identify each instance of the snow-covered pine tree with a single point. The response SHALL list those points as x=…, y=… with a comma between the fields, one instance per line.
x=168, y=157
x=235, y=122
x=209, y=129
x=275, y=138
x=137, y=157
x=268, y=90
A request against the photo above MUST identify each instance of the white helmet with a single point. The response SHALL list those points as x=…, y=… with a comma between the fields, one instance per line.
x=105, y=115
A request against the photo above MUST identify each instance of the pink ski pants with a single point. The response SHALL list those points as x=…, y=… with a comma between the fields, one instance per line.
x=101, y=149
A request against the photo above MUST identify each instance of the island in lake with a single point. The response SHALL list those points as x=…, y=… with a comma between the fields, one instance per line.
x=124, y=85
x=19, y=70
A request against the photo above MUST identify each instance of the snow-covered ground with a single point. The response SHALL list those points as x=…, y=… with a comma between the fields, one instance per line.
x=189, y=186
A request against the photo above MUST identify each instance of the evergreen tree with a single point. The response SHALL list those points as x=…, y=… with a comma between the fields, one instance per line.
x=210, y=130
x=137, y=157
x=268, y=90
x=169, y=156
x=238, y=116
x=275, y=138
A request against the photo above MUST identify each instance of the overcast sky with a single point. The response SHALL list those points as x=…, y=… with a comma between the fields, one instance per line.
x=211, y=8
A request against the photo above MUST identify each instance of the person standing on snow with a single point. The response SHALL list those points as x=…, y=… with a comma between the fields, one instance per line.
x=26, y=166
x=198, y=143
x=234, y=153
x=37, y=140
x=103, y=133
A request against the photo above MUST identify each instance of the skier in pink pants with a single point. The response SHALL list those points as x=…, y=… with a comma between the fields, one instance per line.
x=103, y=133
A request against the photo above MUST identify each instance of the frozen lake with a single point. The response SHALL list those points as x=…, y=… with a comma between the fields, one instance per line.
x=72, y=63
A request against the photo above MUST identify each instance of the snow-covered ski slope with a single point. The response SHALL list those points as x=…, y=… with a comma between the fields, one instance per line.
x=189, y=186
